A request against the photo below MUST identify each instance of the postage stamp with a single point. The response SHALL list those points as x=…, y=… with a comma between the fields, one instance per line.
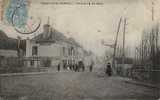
x=16, y=12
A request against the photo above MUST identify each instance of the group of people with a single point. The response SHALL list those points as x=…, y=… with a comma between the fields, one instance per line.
x=75, y=67
x=81, y=67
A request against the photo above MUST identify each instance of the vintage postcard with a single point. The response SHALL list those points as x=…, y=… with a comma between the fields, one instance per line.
x=79, y=50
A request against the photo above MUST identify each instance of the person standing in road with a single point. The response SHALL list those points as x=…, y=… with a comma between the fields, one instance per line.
x=59, y=67
x=91, y=66
x=109, y=69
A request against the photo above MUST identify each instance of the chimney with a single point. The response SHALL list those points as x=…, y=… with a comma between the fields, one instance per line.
x=46, y=30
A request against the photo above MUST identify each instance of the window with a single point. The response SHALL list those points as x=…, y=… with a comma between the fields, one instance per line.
x=32, y=62
x=64, y=51
x=34, y=50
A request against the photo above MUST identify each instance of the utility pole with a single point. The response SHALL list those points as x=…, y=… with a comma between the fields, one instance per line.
x=124, y=32
x=115, y=44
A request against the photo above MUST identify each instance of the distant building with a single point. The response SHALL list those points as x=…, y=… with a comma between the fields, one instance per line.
x=50, y=48
x=8, y=46
x=11, y=50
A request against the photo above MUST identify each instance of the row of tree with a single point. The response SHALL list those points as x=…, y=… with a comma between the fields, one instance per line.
x=147, y=53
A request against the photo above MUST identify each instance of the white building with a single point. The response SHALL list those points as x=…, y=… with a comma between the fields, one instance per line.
x=51, y=48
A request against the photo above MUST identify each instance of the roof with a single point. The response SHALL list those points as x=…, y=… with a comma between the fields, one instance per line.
x=8, y=43
x=55, y=36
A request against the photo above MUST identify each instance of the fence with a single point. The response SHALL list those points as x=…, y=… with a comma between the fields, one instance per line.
x=141, y=72
x=10, y=64
x=16, y=65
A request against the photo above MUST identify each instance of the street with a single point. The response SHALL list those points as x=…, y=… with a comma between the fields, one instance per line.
x=73, y=86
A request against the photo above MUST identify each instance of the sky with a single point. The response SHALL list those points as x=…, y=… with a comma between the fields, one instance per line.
x=90, y=24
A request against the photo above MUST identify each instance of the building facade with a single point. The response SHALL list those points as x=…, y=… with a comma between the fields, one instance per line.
x=51, y=48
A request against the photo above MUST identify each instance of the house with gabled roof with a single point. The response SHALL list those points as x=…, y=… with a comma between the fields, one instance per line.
x=51, y=48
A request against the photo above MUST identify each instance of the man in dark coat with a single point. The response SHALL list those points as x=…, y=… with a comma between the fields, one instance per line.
x=59, y=67
x=91, y=66
x=109, y=69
